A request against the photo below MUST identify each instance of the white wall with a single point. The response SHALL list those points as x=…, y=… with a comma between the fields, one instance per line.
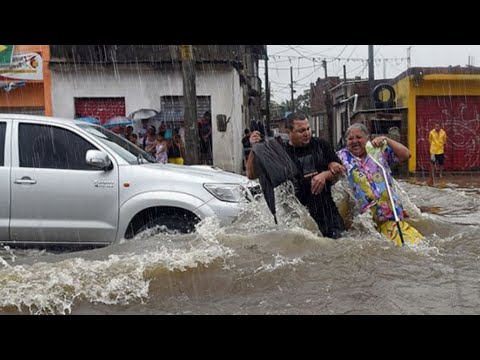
x=142, y=87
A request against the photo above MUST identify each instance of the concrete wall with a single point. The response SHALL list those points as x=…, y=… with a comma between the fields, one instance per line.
x=142, y=87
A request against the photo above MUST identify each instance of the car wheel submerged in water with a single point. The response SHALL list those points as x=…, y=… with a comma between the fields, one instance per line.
x=168, y=219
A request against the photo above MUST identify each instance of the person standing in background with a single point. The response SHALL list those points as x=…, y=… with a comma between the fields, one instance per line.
x=437, y=139
x=150, y=140
x=176, y=150
x=205, y=133
x=142, y=131
x=128, y=132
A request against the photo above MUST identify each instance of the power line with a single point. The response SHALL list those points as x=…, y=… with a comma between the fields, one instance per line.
x=319, y=59
x=300, y=54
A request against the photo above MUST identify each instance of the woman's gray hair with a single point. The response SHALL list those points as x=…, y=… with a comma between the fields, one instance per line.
x=360, y=126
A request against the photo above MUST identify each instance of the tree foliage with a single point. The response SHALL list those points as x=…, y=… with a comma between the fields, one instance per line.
x=303, y=101
x=278, y=110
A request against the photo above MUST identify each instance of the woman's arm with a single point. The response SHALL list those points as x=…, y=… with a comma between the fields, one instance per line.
x=401, y=151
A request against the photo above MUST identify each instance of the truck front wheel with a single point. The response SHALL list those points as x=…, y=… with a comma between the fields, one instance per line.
x=166, y=218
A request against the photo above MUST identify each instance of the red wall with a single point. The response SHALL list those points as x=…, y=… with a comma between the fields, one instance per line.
x=100, y=108
x=460, y=118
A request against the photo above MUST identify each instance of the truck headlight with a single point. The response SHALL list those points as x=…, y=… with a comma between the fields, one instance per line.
x=225, y=192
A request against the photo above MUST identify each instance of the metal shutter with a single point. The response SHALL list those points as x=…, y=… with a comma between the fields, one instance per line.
x=175, y=104
x=100, y=108
x=459, y=117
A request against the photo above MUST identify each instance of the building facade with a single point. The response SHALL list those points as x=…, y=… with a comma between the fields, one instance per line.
x=25, y=80
x=449, y=96
x=116, y=80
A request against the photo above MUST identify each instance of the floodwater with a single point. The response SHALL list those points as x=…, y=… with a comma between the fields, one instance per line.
x=256, y=267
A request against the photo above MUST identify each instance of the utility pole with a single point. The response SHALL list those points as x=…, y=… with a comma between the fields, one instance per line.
x=371, y=74
x=471, y=60
x=409, y=52
x=291, y=89
x=190, y=103
x=324, y=64
x=384, y=68
x=267, y=93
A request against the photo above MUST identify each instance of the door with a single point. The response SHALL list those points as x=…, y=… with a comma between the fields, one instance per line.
x=56, y=196
x=4, y=182
x=460, y=118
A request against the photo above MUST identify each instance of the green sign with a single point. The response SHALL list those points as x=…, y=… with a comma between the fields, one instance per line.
x=6, y=54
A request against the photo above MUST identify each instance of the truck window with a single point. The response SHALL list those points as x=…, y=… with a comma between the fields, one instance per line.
x=51, y=147
x=3, y=126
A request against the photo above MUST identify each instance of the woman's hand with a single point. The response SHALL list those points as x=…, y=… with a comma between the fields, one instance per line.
x=379, y=141
x=336, y=168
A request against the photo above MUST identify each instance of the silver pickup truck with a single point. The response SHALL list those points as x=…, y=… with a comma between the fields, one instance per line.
x=66, y=182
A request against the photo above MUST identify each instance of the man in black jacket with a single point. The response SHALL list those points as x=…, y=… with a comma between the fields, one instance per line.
x=318, y=169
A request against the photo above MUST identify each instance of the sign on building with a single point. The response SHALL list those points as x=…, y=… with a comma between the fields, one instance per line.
x=6, y=54
x=27, y=66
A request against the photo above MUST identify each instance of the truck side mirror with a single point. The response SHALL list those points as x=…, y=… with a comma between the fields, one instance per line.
x=98, y=159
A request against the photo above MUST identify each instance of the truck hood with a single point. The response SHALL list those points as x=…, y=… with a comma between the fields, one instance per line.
x=203, y=173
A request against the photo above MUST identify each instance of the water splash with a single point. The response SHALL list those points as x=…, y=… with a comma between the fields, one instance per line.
x=279, y=261
x=54, y=287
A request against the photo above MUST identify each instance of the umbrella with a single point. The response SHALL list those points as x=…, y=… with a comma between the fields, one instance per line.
x=117, y=121
x=89, y=119
x=142, y=114
x=169, y=116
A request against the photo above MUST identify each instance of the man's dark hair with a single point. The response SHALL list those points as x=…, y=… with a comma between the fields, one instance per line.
x=299, y=115
x=246, y=131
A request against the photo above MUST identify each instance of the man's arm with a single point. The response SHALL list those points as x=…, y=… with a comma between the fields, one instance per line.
x=251, y=166
x=255, y=137
x=320, y=180
x=337, y=170
x=334, y=163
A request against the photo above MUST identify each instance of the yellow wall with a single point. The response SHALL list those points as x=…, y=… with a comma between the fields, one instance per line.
x=431, y=85
x=34, y=93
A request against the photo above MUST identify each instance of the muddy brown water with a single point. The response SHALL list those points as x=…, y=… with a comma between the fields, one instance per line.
x=255, y=267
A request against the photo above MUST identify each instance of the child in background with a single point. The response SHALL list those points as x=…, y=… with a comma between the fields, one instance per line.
x=161, y=150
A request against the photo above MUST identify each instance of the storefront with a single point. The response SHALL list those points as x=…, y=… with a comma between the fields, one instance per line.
x=449, y=96
x=25, y=79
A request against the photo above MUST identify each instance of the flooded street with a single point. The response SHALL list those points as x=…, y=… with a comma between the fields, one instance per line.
x=256, y=267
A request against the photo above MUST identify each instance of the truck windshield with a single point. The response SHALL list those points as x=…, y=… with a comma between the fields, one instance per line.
x=124, y=148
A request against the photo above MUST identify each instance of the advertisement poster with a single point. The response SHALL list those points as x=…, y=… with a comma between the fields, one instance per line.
x=23, y=67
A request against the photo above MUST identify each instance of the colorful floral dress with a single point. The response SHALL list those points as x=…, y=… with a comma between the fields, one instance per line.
x=370, y=189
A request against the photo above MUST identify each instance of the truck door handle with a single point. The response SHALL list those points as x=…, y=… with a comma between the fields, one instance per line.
x=26, y=180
